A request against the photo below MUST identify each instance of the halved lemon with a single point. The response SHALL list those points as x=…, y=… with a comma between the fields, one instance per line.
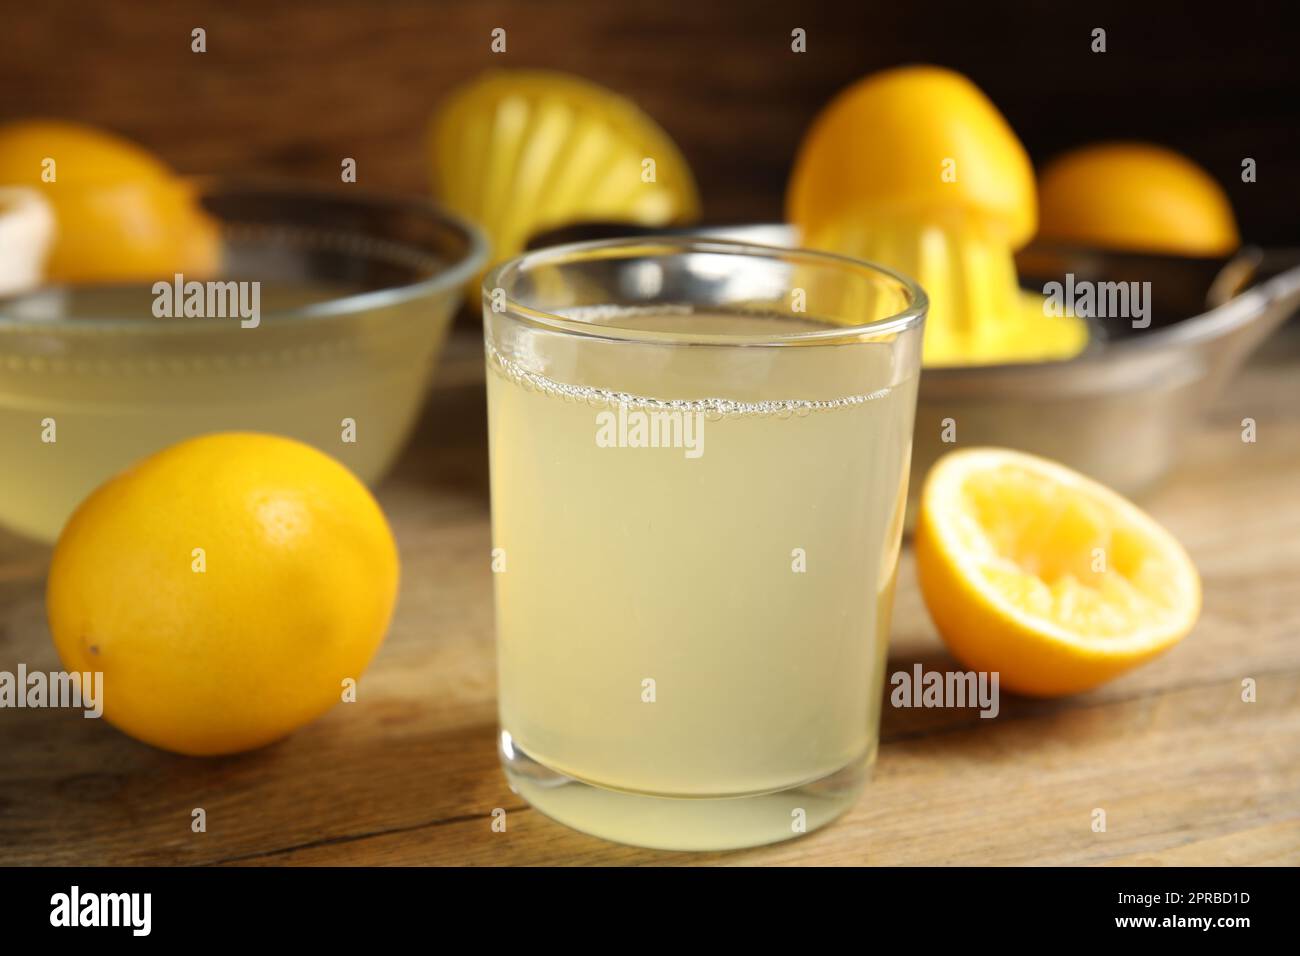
x=1056, y=582
x=915, y=168
x=1135, y=196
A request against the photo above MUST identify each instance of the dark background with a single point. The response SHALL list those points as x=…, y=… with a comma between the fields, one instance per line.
x=291, y=88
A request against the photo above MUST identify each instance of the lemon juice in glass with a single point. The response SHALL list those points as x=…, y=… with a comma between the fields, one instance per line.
x=699, y=457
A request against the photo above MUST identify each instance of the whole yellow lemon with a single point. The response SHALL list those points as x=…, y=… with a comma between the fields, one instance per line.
x=1135, y=197
x=120, y=213
x=226, y=588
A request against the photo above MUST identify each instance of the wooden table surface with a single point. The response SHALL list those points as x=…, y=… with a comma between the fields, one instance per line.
x=1186, y=771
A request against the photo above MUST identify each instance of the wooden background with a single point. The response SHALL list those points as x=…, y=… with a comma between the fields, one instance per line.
x=293, y=87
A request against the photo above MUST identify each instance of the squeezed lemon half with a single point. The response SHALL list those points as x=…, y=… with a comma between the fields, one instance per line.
x=915, y=168
x=1033, y=570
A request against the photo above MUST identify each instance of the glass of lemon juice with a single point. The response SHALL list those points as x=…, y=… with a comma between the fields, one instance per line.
x=699, y=457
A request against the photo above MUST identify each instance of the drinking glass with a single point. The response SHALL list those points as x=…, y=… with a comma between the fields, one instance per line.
x=699, y=457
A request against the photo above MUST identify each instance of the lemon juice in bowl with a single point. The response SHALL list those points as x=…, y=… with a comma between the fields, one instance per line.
x=699, y=455
x=354, y=296
x=76, y=416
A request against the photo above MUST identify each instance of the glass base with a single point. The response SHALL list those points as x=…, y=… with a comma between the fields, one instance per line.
x=683, y=823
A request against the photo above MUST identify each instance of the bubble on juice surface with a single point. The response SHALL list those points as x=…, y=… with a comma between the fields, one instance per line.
x=713, y=409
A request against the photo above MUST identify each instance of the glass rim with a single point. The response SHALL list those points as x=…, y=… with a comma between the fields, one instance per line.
x=501, y=276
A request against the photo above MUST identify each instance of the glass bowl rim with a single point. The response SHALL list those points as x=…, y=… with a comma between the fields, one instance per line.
x=452, y=276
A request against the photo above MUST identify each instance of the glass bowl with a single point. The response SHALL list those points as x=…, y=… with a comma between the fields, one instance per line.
x=347, y=298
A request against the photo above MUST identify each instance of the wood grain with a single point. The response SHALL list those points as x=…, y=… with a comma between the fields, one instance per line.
x=1186, y=772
